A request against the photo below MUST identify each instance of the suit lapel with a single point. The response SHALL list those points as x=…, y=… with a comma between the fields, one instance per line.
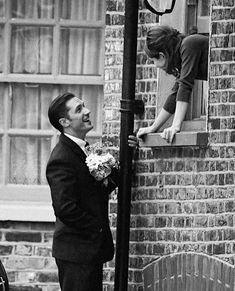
x=73, y=146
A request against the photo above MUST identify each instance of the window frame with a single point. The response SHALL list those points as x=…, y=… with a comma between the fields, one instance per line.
x=166, y=82
x=193, y=132
x=54, y=77
x=39, y=195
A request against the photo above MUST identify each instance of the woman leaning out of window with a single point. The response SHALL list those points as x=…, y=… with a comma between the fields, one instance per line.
x=185, y=57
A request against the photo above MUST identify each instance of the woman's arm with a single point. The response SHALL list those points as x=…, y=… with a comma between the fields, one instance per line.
x=192, y=49
x=169, y=133
x=159, y=121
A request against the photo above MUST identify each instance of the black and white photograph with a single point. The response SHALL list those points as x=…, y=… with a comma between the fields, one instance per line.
x=117, y=145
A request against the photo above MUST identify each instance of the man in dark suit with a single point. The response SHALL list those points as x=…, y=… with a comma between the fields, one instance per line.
x=82, y=239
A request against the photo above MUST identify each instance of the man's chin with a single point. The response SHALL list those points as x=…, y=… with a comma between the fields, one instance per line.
x=89, y=127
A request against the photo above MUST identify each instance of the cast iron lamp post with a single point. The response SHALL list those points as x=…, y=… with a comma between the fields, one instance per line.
x=129, y=106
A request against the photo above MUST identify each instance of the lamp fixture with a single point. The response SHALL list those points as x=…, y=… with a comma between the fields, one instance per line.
x=160, y=7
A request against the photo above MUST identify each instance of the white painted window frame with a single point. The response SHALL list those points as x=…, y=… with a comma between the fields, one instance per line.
x=25, y=202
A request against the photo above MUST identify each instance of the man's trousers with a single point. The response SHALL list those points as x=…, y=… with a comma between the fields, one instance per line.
x=79, y=277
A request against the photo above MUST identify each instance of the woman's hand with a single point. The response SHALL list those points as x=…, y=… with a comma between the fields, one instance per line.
x=169, y=133
x=143, y=130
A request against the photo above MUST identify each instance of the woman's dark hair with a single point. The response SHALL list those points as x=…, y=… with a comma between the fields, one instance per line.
x=166, y=40
x=58, y=109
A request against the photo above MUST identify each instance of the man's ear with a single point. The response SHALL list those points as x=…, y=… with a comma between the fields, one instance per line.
x=162, y=56
x=64, y=122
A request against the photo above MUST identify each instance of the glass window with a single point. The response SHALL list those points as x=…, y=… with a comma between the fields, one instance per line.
x=35, y=9
x=1, y=46
x=82, y=10
x=47, y=47
x=2, y=107
x=29, y=131
x=31, y=49
x=1, y=160
x=2, y=8
x=79, y=51
x=29, y=106
x=28, y=156
x=204, y=7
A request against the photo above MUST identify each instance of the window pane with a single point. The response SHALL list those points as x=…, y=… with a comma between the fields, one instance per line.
x=92, y=97
x=1, y=159
x=32, y=9
x=28, y=157
x=31, y=50
x=204, y=7
x=80, y=51
x=2, y=107
x=30, y=105
x=204, y=97
x=1, y=48
x=82, y=9
x=2, y=8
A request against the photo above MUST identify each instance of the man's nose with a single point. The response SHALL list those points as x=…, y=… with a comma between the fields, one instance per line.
x=86, y=110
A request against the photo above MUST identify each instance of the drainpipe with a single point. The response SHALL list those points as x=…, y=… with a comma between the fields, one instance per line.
x=129, y=106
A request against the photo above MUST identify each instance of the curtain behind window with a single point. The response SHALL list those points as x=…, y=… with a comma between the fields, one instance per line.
x=32, y=46
x=31, y=53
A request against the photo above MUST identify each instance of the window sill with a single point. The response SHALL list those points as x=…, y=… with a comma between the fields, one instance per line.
x=185, y=138
x=26, y=211
x=50, y=79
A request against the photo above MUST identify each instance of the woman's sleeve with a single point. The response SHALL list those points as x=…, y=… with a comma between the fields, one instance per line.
x=190, y=57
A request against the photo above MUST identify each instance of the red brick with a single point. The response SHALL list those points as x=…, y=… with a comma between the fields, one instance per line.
x=23, y=236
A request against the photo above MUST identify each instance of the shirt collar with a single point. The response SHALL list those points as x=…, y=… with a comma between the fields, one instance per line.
x=78, y=141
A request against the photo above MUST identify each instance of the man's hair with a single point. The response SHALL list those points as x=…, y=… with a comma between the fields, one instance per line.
x=163, y=39
x=58, y=109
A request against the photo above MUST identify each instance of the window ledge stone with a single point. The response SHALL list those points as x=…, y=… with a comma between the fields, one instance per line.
x=26, y=211
x=183, y=139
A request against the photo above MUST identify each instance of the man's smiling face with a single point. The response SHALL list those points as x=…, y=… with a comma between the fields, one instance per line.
x=79, y=118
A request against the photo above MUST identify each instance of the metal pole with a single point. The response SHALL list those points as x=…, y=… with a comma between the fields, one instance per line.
x=127, y=126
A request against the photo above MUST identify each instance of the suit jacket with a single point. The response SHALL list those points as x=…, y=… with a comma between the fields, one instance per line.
x=82, y=233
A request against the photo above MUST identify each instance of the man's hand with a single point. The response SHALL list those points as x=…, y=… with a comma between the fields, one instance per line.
x=133, y=141
x=169, y=133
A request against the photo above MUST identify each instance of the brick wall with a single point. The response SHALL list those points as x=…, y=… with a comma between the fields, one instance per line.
x=145, y=89
x=25, y=251
x=183, y=198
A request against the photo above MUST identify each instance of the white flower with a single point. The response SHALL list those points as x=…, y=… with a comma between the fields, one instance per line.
x=100, y=163
x=93, y=161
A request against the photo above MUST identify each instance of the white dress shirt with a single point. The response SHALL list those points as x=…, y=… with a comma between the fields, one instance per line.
x=78, y=141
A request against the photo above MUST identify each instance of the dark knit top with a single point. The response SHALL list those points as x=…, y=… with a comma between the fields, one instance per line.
x=193, y=54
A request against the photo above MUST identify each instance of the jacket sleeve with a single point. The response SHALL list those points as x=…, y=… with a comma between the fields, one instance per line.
x=113, y=181
x=64, y=188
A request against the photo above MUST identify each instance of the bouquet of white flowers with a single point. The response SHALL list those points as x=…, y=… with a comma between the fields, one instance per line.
x=99, y=162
